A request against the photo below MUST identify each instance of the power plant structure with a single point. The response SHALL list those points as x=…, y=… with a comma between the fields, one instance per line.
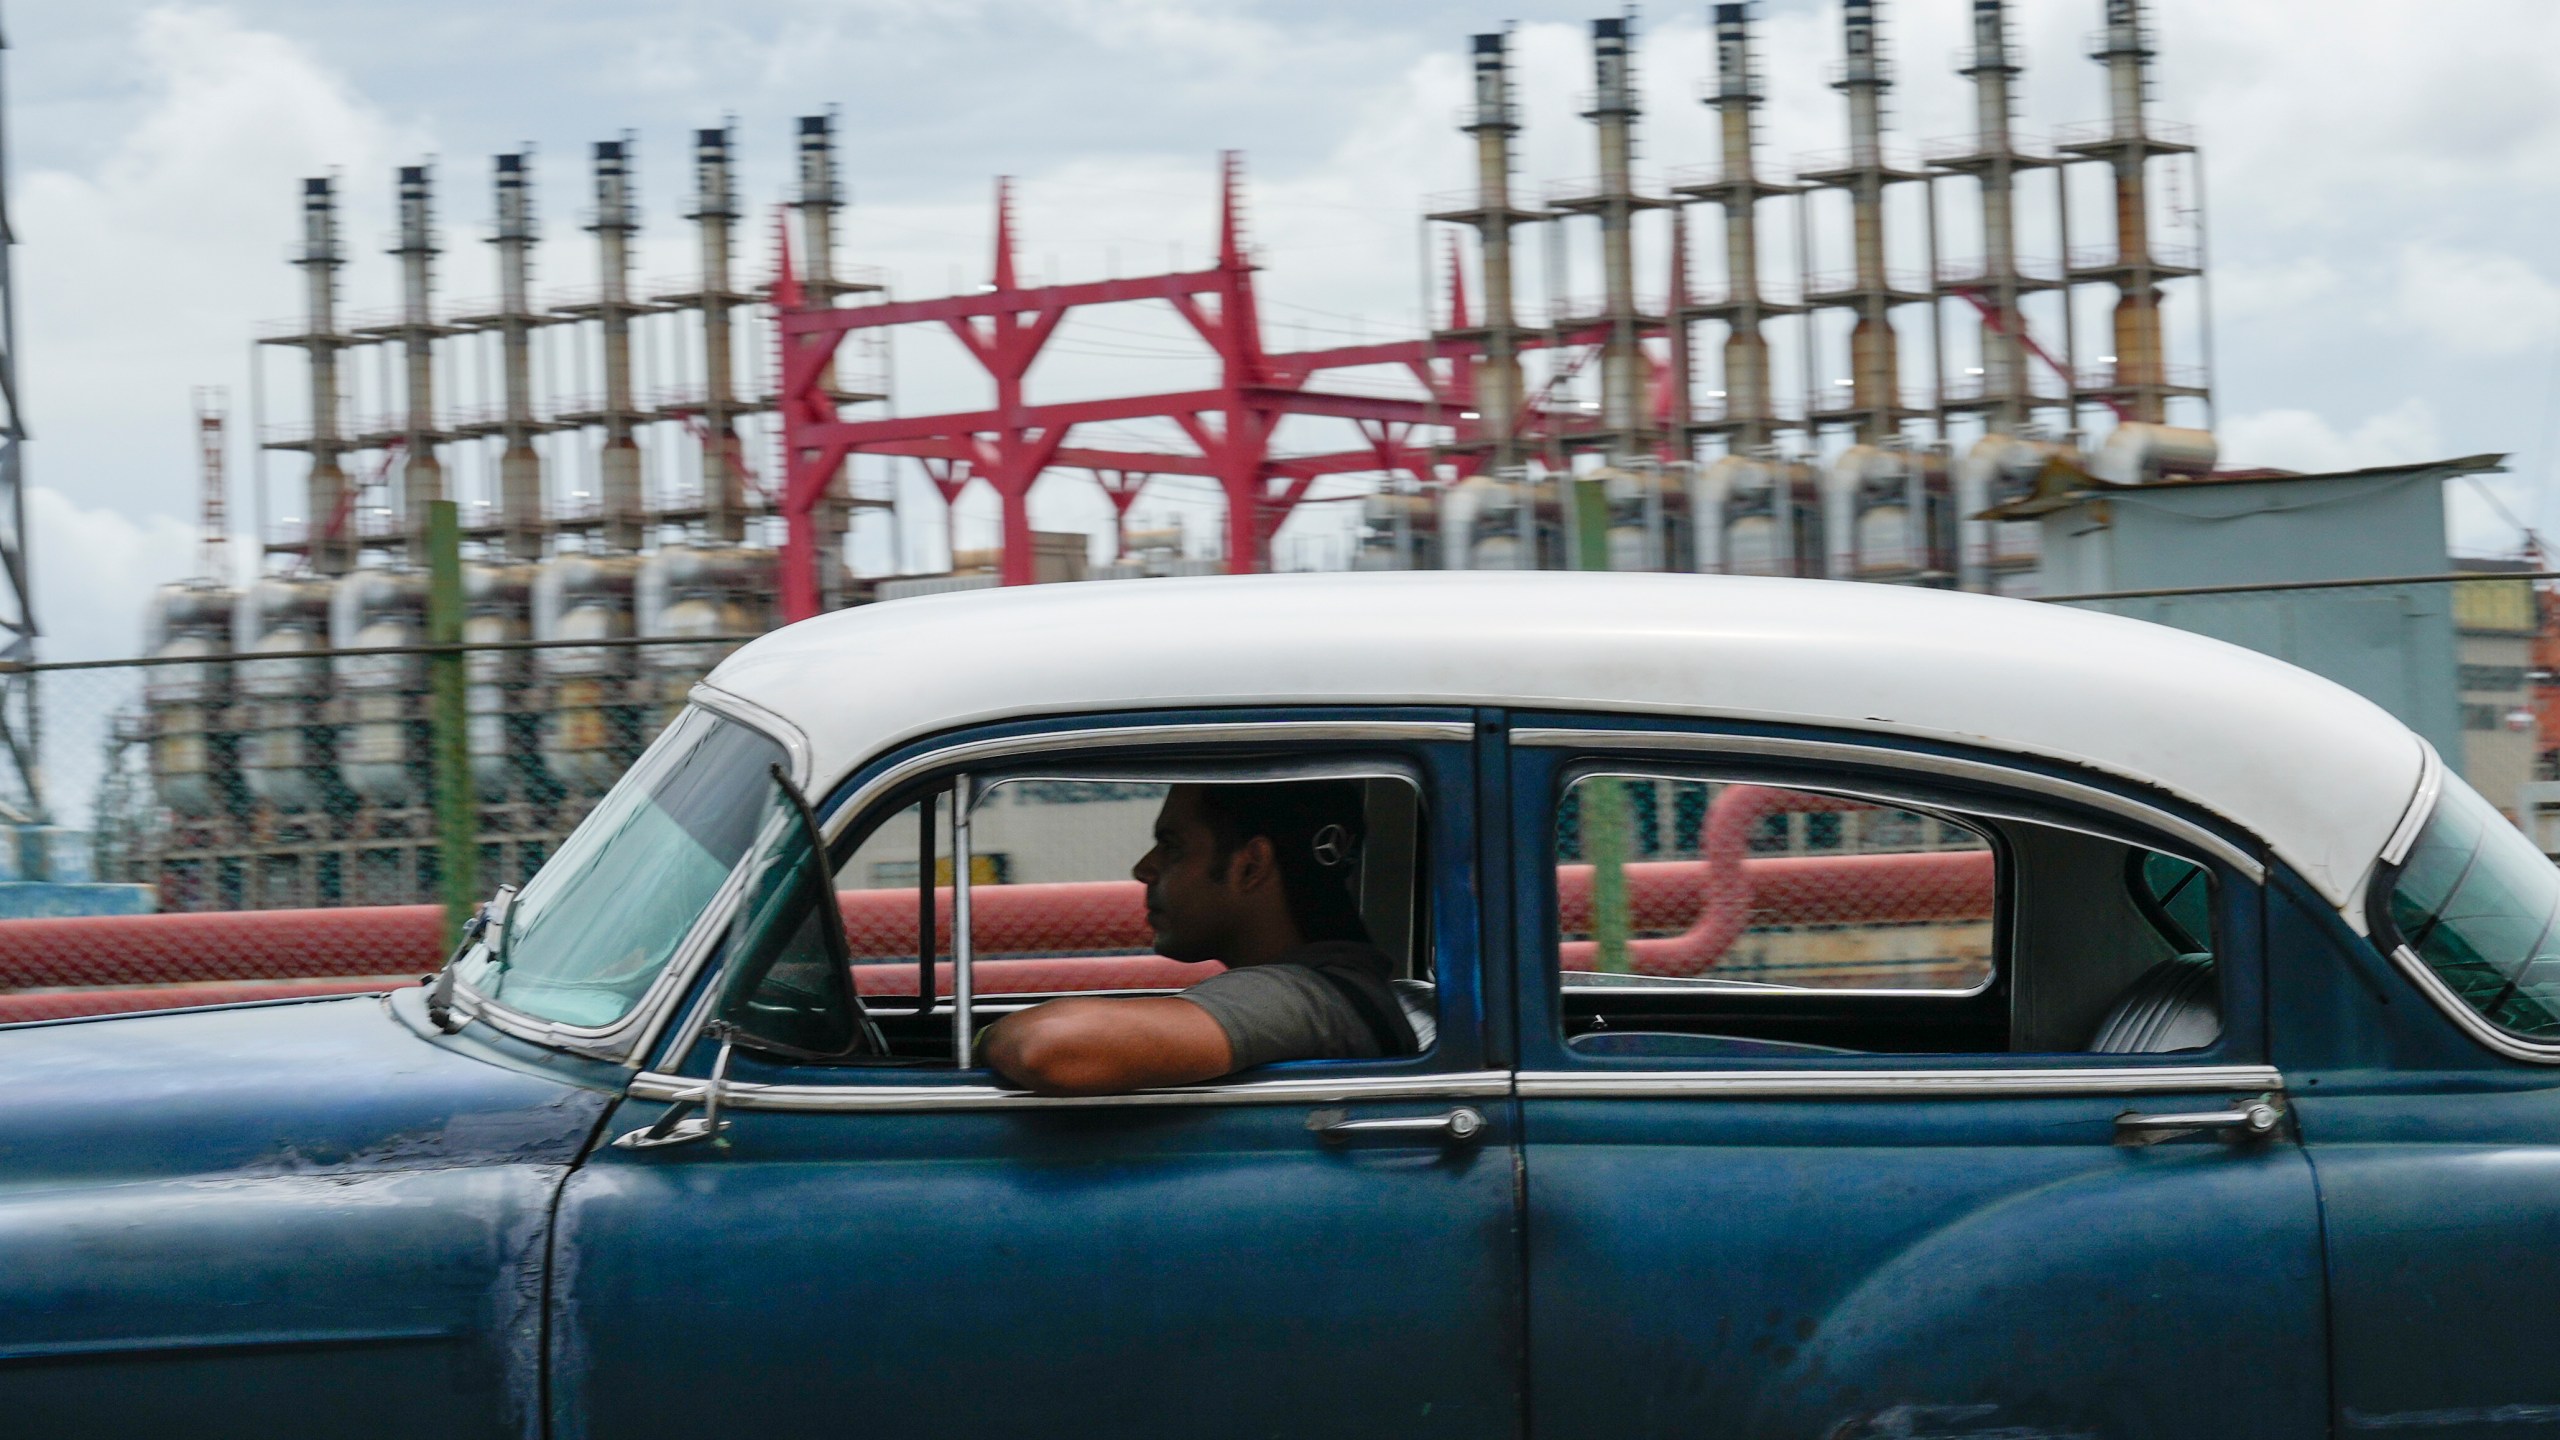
x=692, y=481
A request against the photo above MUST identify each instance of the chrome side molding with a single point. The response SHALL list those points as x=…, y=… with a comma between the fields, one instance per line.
x=902, y=1099
x=1494, y=1085
x=1899, y=1084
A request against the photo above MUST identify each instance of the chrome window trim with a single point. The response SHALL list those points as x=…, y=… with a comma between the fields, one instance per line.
x=832, y=826
x=1884, y=757
x=794, y=741
x=857, y=1099
x=974, y=753
x=2474, y=1024
x=1897, y=1084
x=628, y=1038
x=2422, y=806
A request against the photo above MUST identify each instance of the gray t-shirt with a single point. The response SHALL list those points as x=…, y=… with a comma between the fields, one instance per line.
x=1284, y=1010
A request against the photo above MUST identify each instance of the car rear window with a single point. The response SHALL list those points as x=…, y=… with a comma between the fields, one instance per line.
x=2476, y=902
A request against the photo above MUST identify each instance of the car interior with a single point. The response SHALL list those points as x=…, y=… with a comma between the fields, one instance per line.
x=2018, y=937
x=1054, y=909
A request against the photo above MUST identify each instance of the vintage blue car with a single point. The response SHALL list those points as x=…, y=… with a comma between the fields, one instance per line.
x=1846, y=1012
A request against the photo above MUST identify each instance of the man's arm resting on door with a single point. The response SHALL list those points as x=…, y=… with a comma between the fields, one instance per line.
x=1091, y=1046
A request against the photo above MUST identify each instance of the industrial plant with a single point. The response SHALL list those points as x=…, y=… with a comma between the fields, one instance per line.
x=673, y=466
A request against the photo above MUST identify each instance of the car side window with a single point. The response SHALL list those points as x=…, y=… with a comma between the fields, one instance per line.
x=1053, y=908
x=1708, y=915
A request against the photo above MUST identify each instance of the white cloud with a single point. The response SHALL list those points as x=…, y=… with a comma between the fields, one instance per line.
x=2301, y=440
x=2475, y=303
x=94, y=571
x=145, y=275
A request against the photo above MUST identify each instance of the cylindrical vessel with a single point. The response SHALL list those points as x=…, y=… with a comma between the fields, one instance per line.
x=383, y=752
x=591, y=730
x=503, y=725
x=185, y=702
x=699, y=590
x=287, y=748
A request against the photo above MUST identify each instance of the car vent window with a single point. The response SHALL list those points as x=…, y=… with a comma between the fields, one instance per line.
x=2477, y=903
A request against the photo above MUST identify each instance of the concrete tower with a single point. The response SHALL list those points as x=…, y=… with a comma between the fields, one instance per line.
x=2138, y=376
x=421, y=473
x=519, y=463
x=715, y=212
x=622, y=500
x=1747, y=416
x=325, y=491
x=1492, y=122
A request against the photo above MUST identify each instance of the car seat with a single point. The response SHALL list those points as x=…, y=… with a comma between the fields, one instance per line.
x=2174, y=1005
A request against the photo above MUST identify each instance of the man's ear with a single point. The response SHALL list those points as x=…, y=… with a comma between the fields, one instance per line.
x=1253, y=865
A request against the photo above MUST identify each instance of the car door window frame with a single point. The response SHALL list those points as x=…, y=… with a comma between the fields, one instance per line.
x=1549, y=749
x=1436, y=744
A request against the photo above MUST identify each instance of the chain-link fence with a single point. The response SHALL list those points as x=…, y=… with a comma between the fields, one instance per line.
x=242, y=825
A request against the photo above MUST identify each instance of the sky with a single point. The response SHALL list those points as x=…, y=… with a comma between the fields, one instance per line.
x=2383, y=179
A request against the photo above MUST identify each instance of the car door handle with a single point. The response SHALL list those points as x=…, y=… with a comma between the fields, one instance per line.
x=1462, y=1124
x=2247, y=1120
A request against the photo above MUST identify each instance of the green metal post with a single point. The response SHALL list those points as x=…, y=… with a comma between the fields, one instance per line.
x=1591, y=524
x=457, y=815
x=1604, y=798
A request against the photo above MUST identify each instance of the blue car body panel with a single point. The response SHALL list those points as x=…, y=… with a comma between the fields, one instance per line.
x=305, y=1219
x=2439, y=1171
x=1874, y=1266
x=323, y=1218
x=1202, y=1269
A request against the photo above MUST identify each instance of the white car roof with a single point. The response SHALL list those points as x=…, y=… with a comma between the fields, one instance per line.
x=2318, y=773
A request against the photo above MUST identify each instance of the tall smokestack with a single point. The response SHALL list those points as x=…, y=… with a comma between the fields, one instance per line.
x=212, y=407
x=2139, y=366
x=1874, y=364
x=617, y=219
x=1613, y=112
x=715, y=211
x=1493, y=124
x=325, y=492
x=421, y=476
x=1747, y=399
x=819, y=199
x=519, y=464
x=2005, y=388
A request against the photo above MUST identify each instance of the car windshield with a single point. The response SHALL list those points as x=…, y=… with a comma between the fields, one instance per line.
x=594, y=927
x=2476, y=901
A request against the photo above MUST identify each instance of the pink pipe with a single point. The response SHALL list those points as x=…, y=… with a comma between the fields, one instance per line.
x=118, y=1000
x=220, y=945
x=1724, y=893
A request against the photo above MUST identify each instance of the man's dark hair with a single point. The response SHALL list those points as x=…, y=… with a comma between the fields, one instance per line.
x=1315, y=828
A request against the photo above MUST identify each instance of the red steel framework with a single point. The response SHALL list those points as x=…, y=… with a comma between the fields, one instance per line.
x=1011, y=444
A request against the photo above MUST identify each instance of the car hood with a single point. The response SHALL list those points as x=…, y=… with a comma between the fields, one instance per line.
x=318, y=1087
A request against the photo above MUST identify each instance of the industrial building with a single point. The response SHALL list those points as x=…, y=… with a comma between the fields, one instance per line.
x=690, y=479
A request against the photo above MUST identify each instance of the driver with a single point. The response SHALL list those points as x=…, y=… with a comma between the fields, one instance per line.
x=1257, y=876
